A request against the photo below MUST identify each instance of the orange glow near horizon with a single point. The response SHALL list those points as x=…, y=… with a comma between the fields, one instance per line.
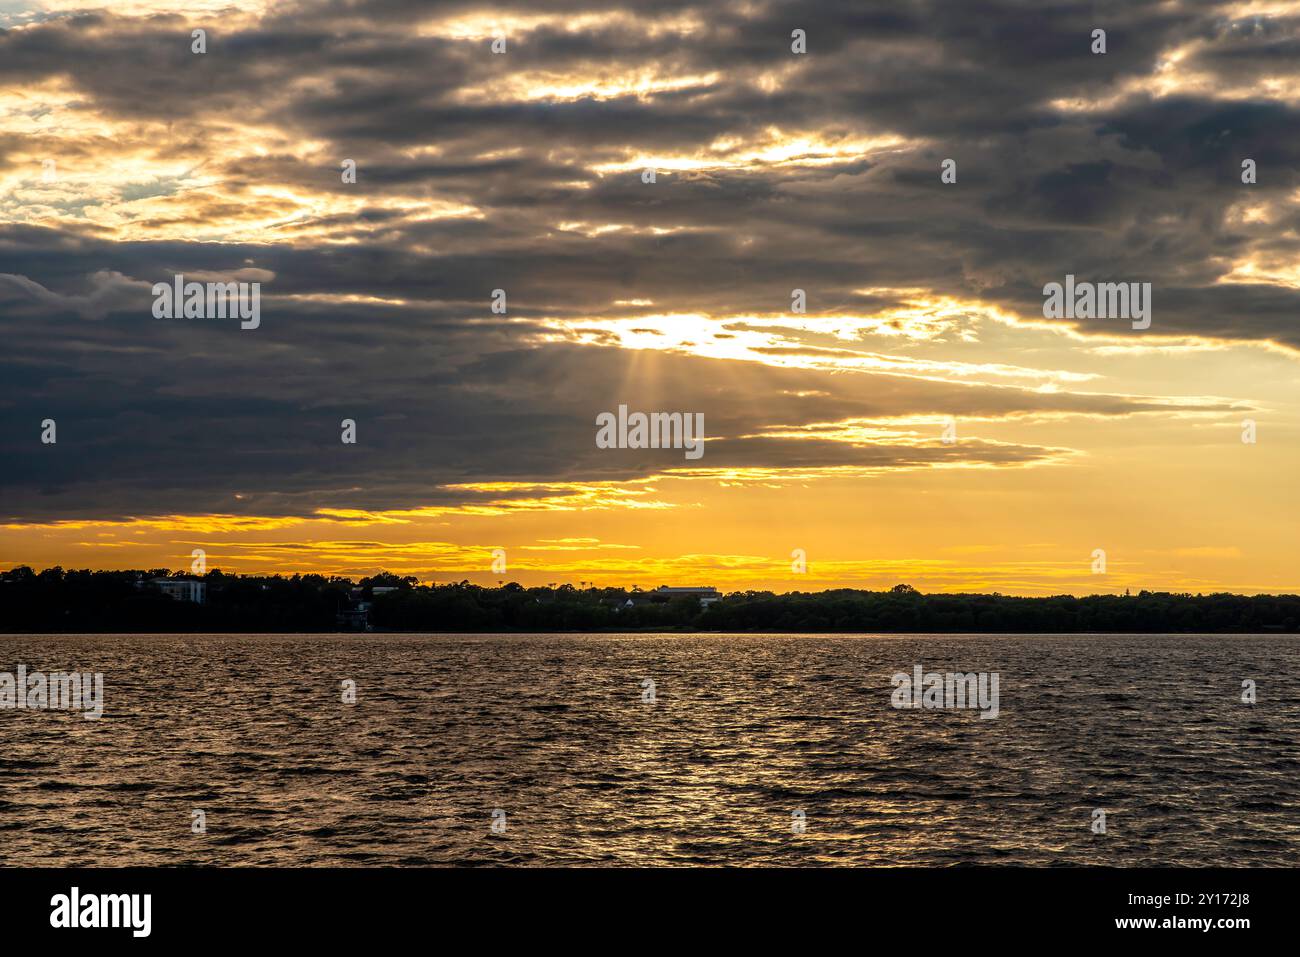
x=1069, y=436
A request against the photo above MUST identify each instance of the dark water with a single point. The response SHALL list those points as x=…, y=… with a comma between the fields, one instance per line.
x=745, y=730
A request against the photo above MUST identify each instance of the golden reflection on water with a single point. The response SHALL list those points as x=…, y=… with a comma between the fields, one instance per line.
x=743, y=733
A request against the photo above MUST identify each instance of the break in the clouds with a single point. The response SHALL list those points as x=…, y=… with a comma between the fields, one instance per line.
x=126, y=159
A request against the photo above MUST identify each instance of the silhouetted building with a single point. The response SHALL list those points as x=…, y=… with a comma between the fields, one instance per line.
x=183, y=589
x=706, y=595
x=354, y=613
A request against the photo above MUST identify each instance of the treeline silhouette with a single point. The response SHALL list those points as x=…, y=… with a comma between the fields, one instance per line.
x=55, y=600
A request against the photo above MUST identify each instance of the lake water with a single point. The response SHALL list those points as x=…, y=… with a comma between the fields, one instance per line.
x=744, y=732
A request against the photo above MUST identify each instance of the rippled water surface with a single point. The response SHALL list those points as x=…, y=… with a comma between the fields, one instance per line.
x=744, y=731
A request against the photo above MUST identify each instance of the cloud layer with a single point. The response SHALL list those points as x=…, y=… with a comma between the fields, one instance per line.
x=125, y=159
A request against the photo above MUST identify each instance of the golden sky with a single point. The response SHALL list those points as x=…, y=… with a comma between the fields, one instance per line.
x=918, y=421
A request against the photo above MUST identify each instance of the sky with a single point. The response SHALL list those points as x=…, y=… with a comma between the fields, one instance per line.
x=649, y=184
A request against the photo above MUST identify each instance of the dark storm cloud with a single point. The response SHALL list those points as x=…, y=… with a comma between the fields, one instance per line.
x=158, y=417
